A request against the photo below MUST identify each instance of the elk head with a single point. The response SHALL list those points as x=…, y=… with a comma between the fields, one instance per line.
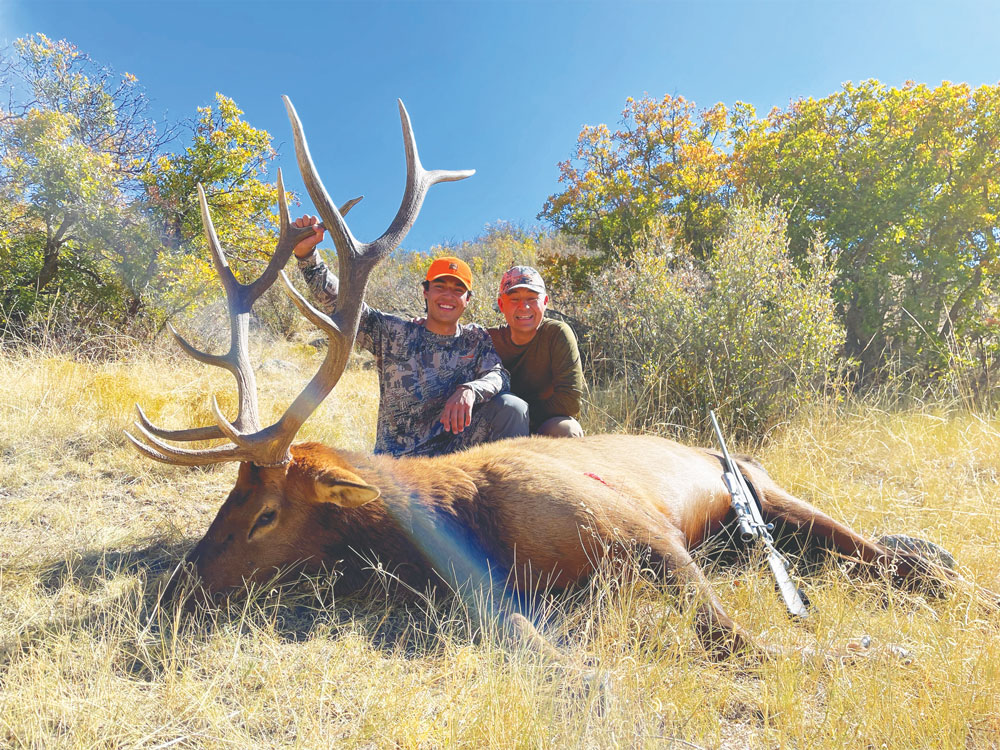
x=263, y=524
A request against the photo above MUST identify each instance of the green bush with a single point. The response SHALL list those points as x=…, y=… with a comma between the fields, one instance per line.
x=746, y=333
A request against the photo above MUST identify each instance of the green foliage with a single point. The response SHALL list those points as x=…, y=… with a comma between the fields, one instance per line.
x=228, y=157
x=101, y=225
x=903, y=184
x=667, y=160
x=746, y=333
x=72, y=144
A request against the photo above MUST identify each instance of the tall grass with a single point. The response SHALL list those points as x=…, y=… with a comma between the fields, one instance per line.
x=88, y=658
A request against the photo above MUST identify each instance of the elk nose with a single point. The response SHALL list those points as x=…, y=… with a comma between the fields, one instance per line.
x=184, y=579
x=196, y=554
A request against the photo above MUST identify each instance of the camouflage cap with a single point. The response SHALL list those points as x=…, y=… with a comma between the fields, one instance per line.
x=522, y=277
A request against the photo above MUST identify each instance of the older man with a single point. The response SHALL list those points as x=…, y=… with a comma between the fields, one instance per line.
x=442, y=386
x=540, y=354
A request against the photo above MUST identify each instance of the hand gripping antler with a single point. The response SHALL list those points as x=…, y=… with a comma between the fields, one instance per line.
x=269, y=446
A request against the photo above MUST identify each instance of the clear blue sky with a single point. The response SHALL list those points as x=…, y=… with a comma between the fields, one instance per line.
x=501, y=87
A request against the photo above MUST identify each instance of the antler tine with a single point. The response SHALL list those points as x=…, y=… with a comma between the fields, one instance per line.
x=288, y=237
x=283, y=251
x=418, y=181
x=211, y=432
x=312, y=314
x=226, y=276
x=228, y=429
x=349, y=205
x=218, y=360
x=168, y=454
x=333, y=219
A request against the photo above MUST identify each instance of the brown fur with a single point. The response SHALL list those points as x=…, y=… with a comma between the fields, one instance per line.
x=541, y=511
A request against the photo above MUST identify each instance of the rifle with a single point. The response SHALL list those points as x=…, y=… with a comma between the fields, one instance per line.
x=752, y=527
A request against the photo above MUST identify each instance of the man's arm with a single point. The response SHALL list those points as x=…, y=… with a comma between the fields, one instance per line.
x=566, y=391
x=491, y=379
x=324, y=285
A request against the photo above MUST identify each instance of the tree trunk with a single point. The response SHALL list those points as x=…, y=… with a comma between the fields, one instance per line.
x=861, y=342
x=50, y=267
x=53, y=245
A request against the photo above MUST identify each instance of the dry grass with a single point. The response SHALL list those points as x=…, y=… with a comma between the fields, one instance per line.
x=88, y=529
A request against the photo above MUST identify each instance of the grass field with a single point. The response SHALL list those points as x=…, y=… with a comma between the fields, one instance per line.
x=89, y=529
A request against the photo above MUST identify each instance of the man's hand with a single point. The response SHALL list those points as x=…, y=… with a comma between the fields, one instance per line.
x=306, y=246
x=457, y=413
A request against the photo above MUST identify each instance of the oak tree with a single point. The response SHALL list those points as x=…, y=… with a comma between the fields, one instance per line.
x=903, y=185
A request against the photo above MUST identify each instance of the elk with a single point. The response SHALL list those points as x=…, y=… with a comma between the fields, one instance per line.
x=529, y=512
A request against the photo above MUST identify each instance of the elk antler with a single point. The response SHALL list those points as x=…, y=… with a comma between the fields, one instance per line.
x=269, y=446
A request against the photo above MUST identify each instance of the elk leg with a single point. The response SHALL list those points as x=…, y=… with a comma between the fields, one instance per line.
x=900, y=566
x=718, y=632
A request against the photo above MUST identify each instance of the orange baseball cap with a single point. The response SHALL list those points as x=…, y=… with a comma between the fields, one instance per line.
x=450, y=266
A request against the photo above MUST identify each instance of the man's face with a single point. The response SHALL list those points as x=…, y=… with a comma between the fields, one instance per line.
x=447, y=299
x=523, y=309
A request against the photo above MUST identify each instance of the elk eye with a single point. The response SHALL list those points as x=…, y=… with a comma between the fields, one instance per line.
x=264, y=519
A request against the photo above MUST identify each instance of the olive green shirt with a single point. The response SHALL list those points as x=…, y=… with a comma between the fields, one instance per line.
x=546, y=372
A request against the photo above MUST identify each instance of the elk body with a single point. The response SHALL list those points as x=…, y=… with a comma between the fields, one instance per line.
x=527, y=513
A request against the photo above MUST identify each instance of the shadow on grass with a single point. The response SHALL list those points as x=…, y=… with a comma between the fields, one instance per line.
x=146, y=596
x=100, y=594
x=89, y=569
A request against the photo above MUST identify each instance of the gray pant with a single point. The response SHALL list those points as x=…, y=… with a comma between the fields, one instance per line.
x=503, y=416
x=560, y=427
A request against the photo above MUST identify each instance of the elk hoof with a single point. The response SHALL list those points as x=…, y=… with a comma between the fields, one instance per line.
x=895, y=651
x=597, y=685
x=935, y=553
x=863, y=648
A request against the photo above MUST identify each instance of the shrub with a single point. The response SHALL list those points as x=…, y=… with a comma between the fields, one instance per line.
x=746, y=333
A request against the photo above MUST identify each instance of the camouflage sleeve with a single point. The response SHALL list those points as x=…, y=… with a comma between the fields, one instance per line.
x=324, y=287
x=491, y=378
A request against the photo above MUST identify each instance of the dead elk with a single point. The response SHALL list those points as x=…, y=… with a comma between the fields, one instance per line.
x=539, y=511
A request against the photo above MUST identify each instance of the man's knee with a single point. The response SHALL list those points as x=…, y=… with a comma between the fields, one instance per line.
x=560, y=427
x=508, y=416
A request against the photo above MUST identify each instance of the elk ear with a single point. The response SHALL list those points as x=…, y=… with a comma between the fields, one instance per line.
x=346, y=493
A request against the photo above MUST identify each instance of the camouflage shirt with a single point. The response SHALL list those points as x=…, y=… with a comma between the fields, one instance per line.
x=417, y=370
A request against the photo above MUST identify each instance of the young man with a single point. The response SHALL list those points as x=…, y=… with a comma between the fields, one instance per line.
x=442, y=387
x=540, y=354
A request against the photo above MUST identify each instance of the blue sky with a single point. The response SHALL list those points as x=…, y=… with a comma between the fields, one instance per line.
x=500, y=87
